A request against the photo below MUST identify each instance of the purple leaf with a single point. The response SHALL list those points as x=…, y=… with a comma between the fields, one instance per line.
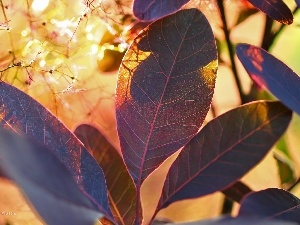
x=23, y=114
x=277, y=10
x=122, y=192
x=271, y=73
x=224, y=150
x=238, y=221
x=149, y=10
x=164, y=90
x=271, y=203
x=298, y=3
x=46, y=181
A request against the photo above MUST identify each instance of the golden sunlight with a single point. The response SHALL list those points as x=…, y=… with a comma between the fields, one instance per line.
x=39, y=6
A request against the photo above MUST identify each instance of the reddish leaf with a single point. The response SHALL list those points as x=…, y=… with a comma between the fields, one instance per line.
x=276, y=9
x=224, y=150
x=121, y=188
x=164, y=90
x=270, y=204
x=154, y=9
x=23, y=114
x=236, y=191
x=271, y=73
x=238, y=221
x=46, y=181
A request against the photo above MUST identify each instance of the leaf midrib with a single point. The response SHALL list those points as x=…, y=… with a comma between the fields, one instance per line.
x=160, y=100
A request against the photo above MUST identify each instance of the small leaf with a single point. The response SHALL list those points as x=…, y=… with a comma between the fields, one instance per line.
x=155, y=9
x=271, y=203
x=23, y=114
x=276, y=9
x=285, y=169
x=164, y=90
x=238, y=221
x=271, y=73
x=121, y=188
x=46, y=181
x=224, y=150
x=237, y=191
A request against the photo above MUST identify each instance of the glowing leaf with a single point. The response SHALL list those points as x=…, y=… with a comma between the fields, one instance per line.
x=21, y=113
x=121, y=188
x=271, y=73
x=224, y=150
x=164, y=90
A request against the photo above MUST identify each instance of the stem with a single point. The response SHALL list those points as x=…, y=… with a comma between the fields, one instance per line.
x=231, y=51
x=213, y=110
x=269, y=38
x=138, y=212
x=9, y=34
x=294, y=185
x=227, y=206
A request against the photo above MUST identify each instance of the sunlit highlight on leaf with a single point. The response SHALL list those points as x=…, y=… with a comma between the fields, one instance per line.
x=164, y=90
x=224, y=150
x=271, y=73
x=122, y=200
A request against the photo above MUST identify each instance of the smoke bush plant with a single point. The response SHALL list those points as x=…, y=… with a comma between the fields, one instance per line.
x=165, y=87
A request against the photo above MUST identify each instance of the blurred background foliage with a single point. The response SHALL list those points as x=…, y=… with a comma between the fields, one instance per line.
x=66, y=53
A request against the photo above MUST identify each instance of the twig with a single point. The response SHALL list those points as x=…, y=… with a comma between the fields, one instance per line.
x=269, y=38
x=231, y=51
x=8, y=29
x=294, y=185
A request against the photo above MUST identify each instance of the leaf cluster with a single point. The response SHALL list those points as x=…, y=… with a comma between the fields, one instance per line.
x=164, y=91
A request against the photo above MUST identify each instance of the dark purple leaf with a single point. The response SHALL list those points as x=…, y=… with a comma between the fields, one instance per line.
x=271, y=73
x=271, y=203
x=276, y=9
x=149, y=10
x=238, y=221
x=224, y=150
x=298, y=3
x=164, y=90
x=23, y=114
x=46, y=181
x=122, y=192
x=236, y=191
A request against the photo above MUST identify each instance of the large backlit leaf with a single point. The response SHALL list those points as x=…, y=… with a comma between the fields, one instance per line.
x=224, y=150
x=271, y=73
x=121, y=188
x=271, y=203
x=238, y=221
x=164, y=90
x=276, y=9
x=46, y=181
x=23, y=114
x=154, y=9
